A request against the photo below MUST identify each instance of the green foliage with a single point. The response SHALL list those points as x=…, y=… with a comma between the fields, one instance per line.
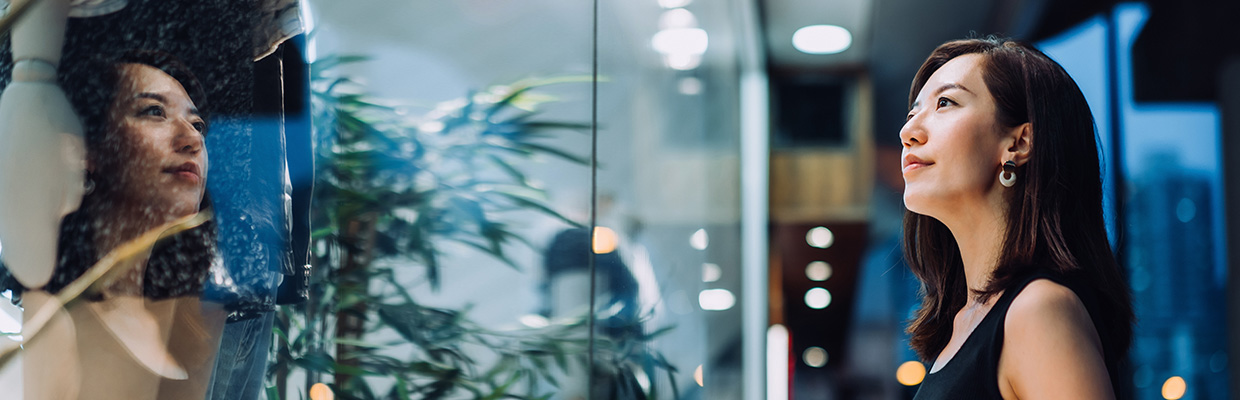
x=427, y=179
x=391, y=189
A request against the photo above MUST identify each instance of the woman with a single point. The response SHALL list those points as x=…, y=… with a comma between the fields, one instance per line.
x=1022, y=296
x=146, y=166
x=145, y=334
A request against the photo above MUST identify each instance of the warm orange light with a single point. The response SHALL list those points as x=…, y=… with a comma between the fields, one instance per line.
x=604, y=240
x=320, y=391
x=697, y=375
x=1174, y=388
x=911, y=373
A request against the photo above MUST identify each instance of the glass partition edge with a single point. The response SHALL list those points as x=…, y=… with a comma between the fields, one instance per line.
x=755, y=161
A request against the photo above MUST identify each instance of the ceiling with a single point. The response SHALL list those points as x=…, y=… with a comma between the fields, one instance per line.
x=1176, y=58
x=1177, y=55
x=781, y=18
x=890, y=40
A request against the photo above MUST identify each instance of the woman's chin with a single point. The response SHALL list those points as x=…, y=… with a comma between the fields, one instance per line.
x=918, y=204
x=913, y=202
x=180, y=210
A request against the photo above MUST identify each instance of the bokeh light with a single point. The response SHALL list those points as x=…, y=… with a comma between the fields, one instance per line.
x=815, y=357
x=674, y=3
x=320, y=391
x=818, y=271
x=677, y=18
x=699, y=239
x=711, y=272
x=534, y=321
x=911, y=373
x=1174, y=388
x=604, y=240
x=822, y=39
x=716, y=299
x=820, y=237
x=818, y=298
x=777, y=362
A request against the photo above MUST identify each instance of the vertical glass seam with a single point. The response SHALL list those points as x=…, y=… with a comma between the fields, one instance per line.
x=593, y=199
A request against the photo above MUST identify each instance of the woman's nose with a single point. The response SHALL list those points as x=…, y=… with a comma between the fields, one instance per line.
x=188, y=139
x=912, y=133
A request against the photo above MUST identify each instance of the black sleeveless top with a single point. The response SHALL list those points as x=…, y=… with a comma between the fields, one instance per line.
x=973, y=373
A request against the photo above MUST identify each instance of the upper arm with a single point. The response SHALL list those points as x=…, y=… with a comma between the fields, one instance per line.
x=1051, y=349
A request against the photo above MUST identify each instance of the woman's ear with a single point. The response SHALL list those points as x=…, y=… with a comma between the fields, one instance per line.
x=89, y=164
x=1020, y=143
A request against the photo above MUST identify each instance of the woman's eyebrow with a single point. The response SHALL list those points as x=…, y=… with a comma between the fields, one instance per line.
x=941, y=89
x=151, y=95
x=950, y=85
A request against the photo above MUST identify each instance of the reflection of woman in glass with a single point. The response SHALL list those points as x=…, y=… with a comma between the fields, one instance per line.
x=146, y=167
x=1022, y=296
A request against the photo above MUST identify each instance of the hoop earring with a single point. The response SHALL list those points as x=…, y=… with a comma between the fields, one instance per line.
x=1007, y=178
x=89, y=185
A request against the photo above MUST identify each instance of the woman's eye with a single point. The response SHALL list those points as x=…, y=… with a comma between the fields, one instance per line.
x=200, y=126
x=156, y=111
x=944, y=102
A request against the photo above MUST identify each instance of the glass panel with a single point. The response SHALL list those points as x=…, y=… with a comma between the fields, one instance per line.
x=1172, y=237
x=490, y=221
x=451, y=223
x=1175, y=255
x=110, y=126
x=668, y=183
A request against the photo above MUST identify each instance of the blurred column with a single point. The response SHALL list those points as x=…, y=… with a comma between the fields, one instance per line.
x=1229, y=105
x=755, y=159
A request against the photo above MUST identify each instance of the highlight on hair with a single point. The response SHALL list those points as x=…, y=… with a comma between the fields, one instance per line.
x=1054, y=215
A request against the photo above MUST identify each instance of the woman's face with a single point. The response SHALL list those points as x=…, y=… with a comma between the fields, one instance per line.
x=952, y=143
x=153, y=157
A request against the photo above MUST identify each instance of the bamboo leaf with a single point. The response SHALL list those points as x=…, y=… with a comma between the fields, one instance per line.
x=529, y=203
x=331, y=62
x=538, y=148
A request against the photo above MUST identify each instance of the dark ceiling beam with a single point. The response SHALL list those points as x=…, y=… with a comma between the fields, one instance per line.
x=1061, y=15
x=1016, y=18
x=905, y=32
x=1180, y=52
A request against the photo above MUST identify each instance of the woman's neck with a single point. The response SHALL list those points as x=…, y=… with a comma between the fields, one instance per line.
x=114, y=225
x=118, y=222
x=979, y=233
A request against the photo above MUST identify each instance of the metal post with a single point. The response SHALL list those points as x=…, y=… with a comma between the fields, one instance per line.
x=755, y=165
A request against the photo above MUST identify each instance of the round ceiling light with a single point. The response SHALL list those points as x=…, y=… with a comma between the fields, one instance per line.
x=821, y=39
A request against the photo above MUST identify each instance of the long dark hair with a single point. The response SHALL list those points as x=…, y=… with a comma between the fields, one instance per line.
x=1054, y=217
x=179, y=264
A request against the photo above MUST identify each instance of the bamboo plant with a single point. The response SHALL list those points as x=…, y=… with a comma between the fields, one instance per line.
x=392, y=189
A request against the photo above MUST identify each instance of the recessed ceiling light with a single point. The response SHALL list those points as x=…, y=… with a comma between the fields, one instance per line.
x=716, y=299
x=677, y=18
x=821, y=39
x=820, y=237
x=681, y=41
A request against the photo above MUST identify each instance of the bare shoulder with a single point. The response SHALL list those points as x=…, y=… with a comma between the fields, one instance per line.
x=1049, y=338
x=1045, y=301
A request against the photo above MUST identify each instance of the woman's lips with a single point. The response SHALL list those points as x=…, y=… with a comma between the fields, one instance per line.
x=186, y=175
x=188, y=171
x=912, y=162
x=914, y=166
